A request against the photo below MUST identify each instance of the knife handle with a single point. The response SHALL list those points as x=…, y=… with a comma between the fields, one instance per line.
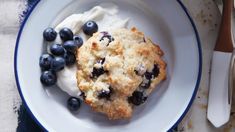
x=224, y=41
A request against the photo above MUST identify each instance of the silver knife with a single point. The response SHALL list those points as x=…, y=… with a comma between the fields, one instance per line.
x=222, y=67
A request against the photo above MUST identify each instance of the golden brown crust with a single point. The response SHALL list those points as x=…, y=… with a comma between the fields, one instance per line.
x=129, y=50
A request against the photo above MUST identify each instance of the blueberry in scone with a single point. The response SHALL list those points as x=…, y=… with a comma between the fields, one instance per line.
x=98, y=69
x=117, y=70
x=107, y=36
x=137, y=98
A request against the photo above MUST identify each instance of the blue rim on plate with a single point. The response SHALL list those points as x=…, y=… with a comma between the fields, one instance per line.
x=181, y=117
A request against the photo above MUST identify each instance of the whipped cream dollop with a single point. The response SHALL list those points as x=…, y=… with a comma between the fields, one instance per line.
x=106, y=16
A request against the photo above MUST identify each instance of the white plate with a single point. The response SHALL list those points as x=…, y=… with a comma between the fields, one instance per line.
x=165, y=21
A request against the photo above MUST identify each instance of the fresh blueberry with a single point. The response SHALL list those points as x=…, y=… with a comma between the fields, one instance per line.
x=73, y=104
x=137, y=98
x=70, y=58
x=155, y=70
x=48, y=78
x=57, y=64
x=66, y=34
x=49, y=34
x=70, y=46
x=105, y=94
x=78, y=40
x=57, y=49
x=45, y=61
x=90, y=27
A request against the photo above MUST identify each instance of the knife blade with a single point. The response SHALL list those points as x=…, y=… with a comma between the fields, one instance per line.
x=221, y=78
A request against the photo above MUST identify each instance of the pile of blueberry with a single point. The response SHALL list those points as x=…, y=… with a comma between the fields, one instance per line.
x=62, y=55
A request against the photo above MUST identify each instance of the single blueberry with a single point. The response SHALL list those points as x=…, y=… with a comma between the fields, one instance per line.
x=97, y=72
x=45, y=61
x=57, y=64
x=148, y=75
x=48, y=78
x=49, y=34
x=155, y=70
x=66, y=34
x=90, y=27
x=70, y=46
x=57, y=49
x=105, y=94
x=78, y=40
x=109, y=37
x=70, y=58
x=137, y=98
x=73, y=104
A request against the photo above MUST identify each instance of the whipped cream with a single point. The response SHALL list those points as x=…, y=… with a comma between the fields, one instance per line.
x=107, y=19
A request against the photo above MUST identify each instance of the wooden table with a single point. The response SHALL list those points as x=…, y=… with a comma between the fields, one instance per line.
x=12, y=113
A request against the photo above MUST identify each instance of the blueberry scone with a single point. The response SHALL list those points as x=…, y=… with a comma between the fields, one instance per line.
x=117, y=70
